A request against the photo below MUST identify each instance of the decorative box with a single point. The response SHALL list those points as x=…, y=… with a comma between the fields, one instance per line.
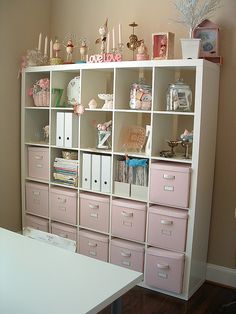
x=64, y=231
x=94, y=211
x=93, y=244
x=164, y=269
x=127, y=254
x=128, y=219
x=170, y=184
x=167, y=227
x=38, y=162
x=36, y=223
x=63, y=205
x=37, y=198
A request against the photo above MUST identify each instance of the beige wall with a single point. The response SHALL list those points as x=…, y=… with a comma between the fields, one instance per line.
x=83, y=17
x=20, y=24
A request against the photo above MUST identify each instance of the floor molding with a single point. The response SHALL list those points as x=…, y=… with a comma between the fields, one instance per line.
x=222, y=275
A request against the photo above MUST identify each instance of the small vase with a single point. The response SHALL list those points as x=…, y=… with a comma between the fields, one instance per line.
x=190, y=48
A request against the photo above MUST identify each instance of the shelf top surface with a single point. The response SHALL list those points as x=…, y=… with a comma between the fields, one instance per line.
x=188, y=63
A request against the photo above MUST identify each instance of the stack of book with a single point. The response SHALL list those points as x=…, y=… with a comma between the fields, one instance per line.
x=66, y=171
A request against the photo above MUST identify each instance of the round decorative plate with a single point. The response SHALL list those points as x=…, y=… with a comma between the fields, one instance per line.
x=73, y=91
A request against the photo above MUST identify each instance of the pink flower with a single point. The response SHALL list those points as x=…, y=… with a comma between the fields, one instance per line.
x=78, y=109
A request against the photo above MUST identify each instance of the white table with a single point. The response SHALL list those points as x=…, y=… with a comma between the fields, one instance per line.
x=38, y=278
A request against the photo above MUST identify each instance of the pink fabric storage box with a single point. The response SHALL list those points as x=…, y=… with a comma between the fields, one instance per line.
x=63, y=204
x=167, y=227
x=129, y=219
x=127, y=254
x=170, y=184
x=38, y=162
x=93, y=244
x=37, y=198
x=94, y=211
x=164, y=269
x=63, y=231
x=36, y=223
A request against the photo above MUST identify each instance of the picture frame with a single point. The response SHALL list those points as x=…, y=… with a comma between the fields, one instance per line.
x=162, y=45
x=208, y=32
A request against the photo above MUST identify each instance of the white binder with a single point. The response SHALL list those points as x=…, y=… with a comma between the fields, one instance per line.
x=60, y=129
x=87, y=171
x=96, y=172
x=106, y=174
x=68, y=129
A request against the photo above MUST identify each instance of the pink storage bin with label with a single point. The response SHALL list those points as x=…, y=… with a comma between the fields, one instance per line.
x=164, y=270
x=64, y=231
x=37, y=223
x=63, y=205
x=170, y=184
x=38, y=162
x=94, y=211
x=167, y=227
x=129, y=219
x=37, y=198
x=127, y=254
x=93, y=244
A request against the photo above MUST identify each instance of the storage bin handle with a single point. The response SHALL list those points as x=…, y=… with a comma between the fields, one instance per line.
x=36, y=193
x=125, y=254
x=93, y=206
x=63, y=235
x=92, y=244
x=163, y=266
x=168, y=176
x=39, y=166
x=61, y=199
x=94, y=215
x=38, y=157
x=166, y=222
x=126, y=214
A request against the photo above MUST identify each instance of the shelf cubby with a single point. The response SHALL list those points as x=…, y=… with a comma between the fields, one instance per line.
x=35, y=121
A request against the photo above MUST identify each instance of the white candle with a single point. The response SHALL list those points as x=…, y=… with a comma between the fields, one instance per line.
x=45, y=45
x=113, y=38
x=40, y=41
x=50, y=49
x=108, y=42
x=120, y=35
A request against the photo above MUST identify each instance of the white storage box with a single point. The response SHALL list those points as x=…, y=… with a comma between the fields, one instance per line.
x=129, y=219
x=93, y=244
x=167, y=227
x=127, y=254
x=164, y=269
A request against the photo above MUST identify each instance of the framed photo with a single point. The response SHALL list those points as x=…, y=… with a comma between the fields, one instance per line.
x=208, y=32
x=163, y=46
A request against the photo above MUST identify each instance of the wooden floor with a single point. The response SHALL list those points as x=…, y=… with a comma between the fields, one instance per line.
x=209, y=299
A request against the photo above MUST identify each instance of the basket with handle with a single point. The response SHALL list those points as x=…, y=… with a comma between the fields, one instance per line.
x=41, y=92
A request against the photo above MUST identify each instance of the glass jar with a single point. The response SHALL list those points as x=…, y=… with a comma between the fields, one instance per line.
x=179, y=97
x=140, y=96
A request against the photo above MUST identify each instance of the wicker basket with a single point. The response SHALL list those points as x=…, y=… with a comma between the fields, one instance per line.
x=41, y=99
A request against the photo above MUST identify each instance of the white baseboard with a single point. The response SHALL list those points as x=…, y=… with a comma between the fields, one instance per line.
x=222, y=275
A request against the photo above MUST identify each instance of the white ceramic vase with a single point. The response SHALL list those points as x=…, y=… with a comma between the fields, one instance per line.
x=190, y=48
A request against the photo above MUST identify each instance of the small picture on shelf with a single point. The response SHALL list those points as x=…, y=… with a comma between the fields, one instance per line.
x=163, y=45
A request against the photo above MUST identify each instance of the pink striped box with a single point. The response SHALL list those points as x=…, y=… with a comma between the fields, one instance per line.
x=36, y=198
x=64, y=231
x=37, y=223
x=38, y=163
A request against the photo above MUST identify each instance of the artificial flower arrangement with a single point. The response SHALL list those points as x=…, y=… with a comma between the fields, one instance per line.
x=41, y=92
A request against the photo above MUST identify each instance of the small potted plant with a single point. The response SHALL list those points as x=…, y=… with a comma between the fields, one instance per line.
x=191, y=14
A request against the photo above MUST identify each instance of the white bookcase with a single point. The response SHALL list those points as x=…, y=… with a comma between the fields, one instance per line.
x=117, y=77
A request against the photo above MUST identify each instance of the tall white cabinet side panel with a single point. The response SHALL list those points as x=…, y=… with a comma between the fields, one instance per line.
x=23, y=148
x=205, y=175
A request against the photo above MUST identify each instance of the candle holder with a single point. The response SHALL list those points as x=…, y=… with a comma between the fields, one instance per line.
x=120, y=48
x=186, y=144
x=172, y=144
x=133, y=43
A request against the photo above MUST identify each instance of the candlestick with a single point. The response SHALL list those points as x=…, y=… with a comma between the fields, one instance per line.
x=108, y=42
x=120, y=35
x=46, y=45
x=113, y=38
x=40, y=41
x=50, y=49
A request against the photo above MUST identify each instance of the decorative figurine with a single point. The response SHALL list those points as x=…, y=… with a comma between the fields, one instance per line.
x=56, y=48
x=108, y=98
x=103, y=30
x=83, y=50
x=163, y=45
x=133, y=43
x=69, y=50
x=142, y=52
